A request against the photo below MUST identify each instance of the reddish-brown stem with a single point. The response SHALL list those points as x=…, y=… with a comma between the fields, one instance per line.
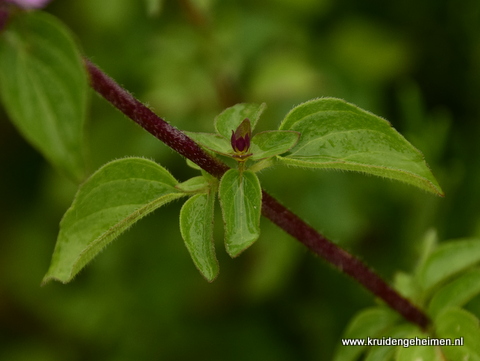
x=341, y=259
x=151, y=122
x=271, y=208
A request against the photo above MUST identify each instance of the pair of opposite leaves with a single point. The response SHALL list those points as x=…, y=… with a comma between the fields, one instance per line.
x=321, y=133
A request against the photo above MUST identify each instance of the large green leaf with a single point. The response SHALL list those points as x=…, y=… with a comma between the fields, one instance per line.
x=111, y=200
x=447, y=260
x=196, y=226
x=230, y=118
x=241, y=200
x=372, y=322
x=43, y=86
x=456, y=293
x=463, y=327
x=339, y=135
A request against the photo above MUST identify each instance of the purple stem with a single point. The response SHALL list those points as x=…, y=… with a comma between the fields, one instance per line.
x=271, y=208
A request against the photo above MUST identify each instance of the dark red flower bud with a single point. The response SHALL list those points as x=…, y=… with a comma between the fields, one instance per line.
x=240, y=139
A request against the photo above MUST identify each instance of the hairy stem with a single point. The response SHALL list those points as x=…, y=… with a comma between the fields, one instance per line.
x=271, y=208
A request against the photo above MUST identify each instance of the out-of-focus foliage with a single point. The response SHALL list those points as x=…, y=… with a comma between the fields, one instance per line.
x=144, y=299
x=437, y=285
x=40, y=68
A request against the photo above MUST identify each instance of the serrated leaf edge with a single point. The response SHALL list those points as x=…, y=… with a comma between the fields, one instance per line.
x=212, y=243
x=111, y=234
x=250, y=242
x=423, y=183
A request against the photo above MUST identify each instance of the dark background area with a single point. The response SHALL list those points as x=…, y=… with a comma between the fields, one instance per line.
x=416, y=63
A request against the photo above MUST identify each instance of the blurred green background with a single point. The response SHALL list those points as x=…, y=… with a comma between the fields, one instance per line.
x=416, y=63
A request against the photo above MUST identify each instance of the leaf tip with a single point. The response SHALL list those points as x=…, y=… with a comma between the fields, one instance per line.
x=235, y=248
x=435, y=188
x=45, y=280
x=211, y=278
x=48, y=278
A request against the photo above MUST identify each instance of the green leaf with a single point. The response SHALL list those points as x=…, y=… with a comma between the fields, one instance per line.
x=387, y=352
x=214, y=142
x=196, y=226
x=194, y=185
x=460, y=325
x=339, y=135
x=111, y=200
x=43, y=86
x=372, y=322
x=406, y=285
x=192, y=165
x=230, y=118
x=262, y=164
x=270, y=143
x=241, y=200
x=427, y=246
x=419, y=352
x=447, y=260
x=456, y=293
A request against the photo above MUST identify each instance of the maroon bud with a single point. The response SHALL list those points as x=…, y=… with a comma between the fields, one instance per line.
x=240, y=139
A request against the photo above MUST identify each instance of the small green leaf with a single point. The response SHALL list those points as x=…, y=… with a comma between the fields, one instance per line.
x=270, y=143
x=372, y=322
x=427, y=246
x=262, y=164
x=419, y=352
x=241, y=200
x=339, y=135
x=232, y=117
x=406, y=285
x=111, y=200
x=196, y=226
x=387, y=352
x=192, y=165
x=43, y=86
x=447, y=260
x=214, y=142
x=194, y=185
x=459, y=325
x=456, y=293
